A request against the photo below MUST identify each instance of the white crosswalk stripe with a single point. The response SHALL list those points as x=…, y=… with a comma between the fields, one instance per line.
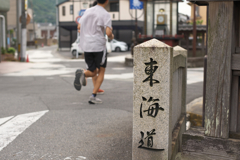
x=3, y=120
x=14, y=127
x=44, y=66
x=194, y=75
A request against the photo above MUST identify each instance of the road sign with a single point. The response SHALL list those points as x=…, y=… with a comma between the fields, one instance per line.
x=136, y=4
x=81, y=12
x=28, y=19
x=77, y=19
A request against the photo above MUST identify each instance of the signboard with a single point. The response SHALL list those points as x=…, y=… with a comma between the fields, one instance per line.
x=26, y=4
x=136, y=4
x=77, y=19
x=28, y=19
x=81, y=12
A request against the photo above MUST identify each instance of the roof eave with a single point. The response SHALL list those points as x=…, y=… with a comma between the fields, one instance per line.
x=62, y=3
x=206, y=2
x=160, y=0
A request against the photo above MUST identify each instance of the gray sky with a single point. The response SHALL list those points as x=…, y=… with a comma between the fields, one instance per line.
x=184, y=8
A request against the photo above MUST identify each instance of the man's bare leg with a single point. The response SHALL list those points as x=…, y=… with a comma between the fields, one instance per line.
x=99, y=80
x=88, y=73
x=94, y=79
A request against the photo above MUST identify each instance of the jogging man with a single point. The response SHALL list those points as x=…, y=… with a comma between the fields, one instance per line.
x=93, y=24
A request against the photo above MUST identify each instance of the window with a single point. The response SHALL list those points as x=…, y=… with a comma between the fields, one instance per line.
x=63, y=10
x=71, y=9
x=114, y=7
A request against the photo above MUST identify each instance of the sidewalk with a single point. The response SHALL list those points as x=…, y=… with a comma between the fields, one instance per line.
x=10, y=67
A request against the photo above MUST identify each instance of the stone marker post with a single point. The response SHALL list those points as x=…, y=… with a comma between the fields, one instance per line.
x=152, y=98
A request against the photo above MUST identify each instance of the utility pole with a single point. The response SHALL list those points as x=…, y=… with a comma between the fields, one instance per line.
x=170, y=17
x=145, y=17
x=17, y=23
x=136, y=25
x=24, y=31
x=57, y=23
x=194, y=30
x=34, y=31
x=3, y=30
x=19, y=11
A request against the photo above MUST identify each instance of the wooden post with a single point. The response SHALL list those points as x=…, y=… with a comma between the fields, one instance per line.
x=238, y=118
x=235, y=110
x=234, y=104
x=203, y=38
x=170, y=17
x=145, y=17
x=188, y=42
x=218, y=87
x=194, y=31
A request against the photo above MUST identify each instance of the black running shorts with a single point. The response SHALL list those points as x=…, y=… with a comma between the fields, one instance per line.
x=95, y=60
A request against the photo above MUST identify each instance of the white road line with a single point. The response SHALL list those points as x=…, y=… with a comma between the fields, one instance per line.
x=82, y=157
x=194, y=75
x=10, y=130
x=3, y=120
x=119, y=76
x=119, y=69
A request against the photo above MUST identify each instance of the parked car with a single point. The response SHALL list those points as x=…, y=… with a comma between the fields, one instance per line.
x=118, y=46
x=75, y=47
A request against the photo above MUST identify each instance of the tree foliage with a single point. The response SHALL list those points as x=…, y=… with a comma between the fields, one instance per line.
x=44, y=10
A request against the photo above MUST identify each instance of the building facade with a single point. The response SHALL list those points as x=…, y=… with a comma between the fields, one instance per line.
x=14, y=25
x=4, y=8
x=162, y=17
x=123, y=20
x=46, y=30
x=201, y=29
x=201, y=14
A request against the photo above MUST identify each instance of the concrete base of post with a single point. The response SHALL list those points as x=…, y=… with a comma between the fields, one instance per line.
x=197, y=146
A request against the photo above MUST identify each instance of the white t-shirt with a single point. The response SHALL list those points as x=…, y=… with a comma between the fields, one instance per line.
x=93, y=25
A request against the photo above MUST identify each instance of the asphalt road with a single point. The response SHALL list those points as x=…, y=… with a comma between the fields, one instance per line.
x=70, y=128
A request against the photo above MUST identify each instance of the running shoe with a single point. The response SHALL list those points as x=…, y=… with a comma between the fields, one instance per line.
x=100, y=91
x=79, y=79
x=94, y=100
x=83, y=79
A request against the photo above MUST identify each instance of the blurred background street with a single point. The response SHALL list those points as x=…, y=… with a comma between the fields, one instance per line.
x=59, y=122
x=42, y=116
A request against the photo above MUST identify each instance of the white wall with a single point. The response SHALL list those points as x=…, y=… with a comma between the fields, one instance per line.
x=67, y=16
x=114, y=16
x=123, y=8
x=70, y=17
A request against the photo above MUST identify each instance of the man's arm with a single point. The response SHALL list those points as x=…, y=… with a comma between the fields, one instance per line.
x=109, y=33
x=78, y=27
